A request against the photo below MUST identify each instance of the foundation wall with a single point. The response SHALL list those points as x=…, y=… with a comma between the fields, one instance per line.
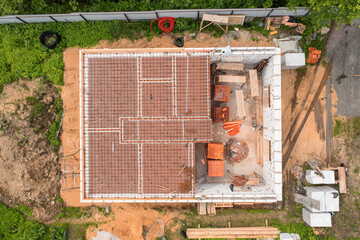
x=271, y=190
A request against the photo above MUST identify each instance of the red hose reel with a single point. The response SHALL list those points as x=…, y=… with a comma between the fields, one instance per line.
x=163, y=21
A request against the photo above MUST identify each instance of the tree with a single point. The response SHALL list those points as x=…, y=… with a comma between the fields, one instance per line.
x=322, y=12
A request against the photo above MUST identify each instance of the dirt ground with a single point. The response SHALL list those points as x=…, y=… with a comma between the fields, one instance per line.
x=128, y=219
x=29, y=167
x=309, y=144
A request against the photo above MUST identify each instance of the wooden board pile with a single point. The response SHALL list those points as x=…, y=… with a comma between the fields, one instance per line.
x=236, y=232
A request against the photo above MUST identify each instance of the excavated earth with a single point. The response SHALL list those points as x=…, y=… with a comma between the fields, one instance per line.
x=29, y=165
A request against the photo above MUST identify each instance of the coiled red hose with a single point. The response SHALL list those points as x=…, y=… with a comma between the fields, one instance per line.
x=163, y=21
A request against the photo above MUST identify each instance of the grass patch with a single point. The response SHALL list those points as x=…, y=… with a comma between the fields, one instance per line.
x=14, y=225
x=53, y=132
x=348, y=128
x=59, y=199
x=25, y=210
x=74, y=212
x=103, y=211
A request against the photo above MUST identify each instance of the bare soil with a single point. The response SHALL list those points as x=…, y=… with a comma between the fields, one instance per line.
x=29, y=166
x=310, y=144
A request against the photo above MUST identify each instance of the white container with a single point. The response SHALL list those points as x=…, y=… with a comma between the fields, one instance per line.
x=316, y=219
x=292, y=60
x=313, y=178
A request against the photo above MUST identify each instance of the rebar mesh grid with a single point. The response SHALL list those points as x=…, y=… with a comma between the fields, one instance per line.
x=157, y=99
x=113, y=167
x=112, y=90
x=165, y=168
x=142, y=113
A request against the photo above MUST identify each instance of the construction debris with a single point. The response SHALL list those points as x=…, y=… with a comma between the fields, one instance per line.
x=236, y=150
x=242, y=180
x=314, y=55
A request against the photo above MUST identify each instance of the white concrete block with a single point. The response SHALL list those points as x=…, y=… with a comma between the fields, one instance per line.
x=276, y=124
x=292, y=60
x=276, y=103
x=277, y=178
x=317, y=194
x=276, y=91
x=277, y=156
x=276, y=113
x=278, y=188
x=276, y=145
x=313, y=178
x=289, y=236
x=316, y=219
x=332, y=198
x=276, y=80
x=277, y=135
x=277, y=69
x=277, y=166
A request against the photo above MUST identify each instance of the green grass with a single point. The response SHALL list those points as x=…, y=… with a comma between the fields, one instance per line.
x=348, y=128
x=103, y=211
x=25, y=210
x=59, y=199
x=15, y=226
x=74, y=213
x=52, y=134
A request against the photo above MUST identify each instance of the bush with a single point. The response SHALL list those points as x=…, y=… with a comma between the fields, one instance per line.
x=15, y=226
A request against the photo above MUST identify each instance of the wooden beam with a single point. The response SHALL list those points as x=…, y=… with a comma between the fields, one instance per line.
x=230, y=66
x=201, y=208
x=259, y=122
x=342, y=180
x=306, y=201
x=254, y=83
x=221, y=19
x=237, y=232
x=210, y=208
x=232, y=78
x=240, y=107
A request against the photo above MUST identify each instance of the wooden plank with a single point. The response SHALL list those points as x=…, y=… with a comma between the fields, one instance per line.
x=201, y=208
x=236, y=19
x=342, y=180
x=224, y=205
x=240, y=107
x=230, y=66
x=210, y=208
x=232, y=78
x=221, y=19
x=254, y=84
x=259, y=122
x=244, y=232
x=253, y=181
x=306, y=201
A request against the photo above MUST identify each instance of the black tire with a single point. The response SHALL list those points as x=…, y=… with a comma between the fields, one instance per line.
x=46, y=35
x=179, y=42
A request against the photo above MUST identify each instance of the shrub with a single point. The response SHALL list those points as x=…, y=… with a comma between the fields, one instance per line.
x=15, y=226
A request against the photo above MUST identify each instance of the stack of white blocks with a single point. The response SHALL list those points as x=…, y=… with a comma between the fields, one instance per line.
x=329, y=202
